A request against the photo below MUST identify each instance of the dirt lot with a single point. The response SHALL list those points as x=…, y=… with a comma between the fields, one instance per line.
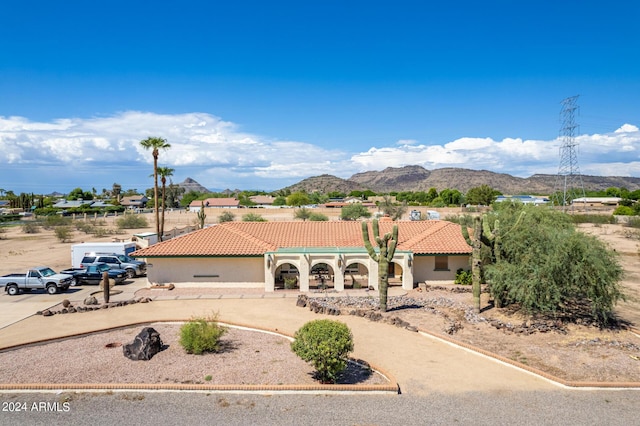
x=579, y=352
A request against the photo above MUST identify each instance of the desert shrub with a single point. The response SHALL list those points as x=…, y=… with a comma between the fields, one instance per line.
x=30, y=228
x=132, y=221
x=318, y=217
x=9, y=217
x=226, y=217
x=253, y=217
x=633, y=222
x=63, y=233
x=85, y=227
x=2, y=231
x=201, y=335
x=55, y=220
x=290, y=282
x=463, y=277
x=593, y=218
x=326, y=344
x=623, y=211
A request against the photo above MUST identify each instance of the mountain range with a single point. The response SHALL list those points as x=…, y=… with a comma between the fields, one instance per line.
x=417, y=178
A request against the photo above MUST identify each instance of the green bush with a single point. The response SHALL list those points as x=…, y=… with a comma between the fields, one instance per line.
x=63, y=233
x=326, y=344
x=290, y=282
x=132, y=221
x=30, y=228
x=226, y=217
x=593, y=218
x=55, y=220
x=463, y=277
x=253, y=217
x=201, y=335
x=623, y=211
x=318, y=217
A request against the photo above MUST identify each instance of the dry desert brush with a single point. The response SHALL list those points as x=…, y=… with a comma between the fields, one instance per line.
x=326, y=344
x=202, y=335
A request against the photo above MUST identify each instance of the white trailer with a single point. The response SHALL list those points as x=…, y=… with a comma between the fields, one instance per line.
x=78, y=251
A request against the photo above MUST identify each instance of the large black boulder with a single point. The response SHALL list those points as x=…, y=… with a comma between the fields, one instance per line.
x=146, y=344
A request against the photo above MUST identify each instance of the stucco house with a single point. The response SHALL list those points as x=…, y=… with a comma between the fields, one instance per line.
x=332, y=254
x=227, y=203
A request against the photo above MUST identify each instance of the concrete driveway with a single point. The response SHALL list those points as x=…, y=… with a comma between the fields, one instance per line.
x=16, y=308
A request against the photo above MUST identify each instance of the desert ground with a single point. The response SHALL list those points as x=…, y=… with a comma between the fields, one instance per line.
x=581, y=353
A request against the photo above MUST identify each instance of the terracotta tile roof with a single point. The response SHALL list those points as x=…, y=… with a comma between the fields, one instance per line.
x=256, y=238
x=216, y=202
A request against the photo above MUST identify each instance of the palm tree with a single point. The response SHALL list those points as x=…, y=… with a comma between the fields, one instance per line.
x=164, y=173
x=155, y=144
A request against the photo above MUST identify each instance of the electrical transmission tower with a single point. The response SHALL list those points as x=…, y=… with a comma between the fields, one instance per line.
x=569, y=181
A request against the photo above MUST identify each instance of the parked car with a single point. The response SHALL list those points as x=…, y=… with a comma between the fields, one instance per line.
x=38, y=278
x=93, y=274
x=133, y=269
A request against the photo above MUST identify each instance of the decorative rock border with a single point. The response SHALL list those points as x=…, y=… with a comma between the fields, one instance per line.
x=69, y=308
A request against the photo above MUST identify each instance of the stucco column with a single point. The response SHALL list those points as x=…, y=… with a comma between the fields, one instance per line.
x=269, y=275
x=338, y=275
x=304, y=274
x=407, y=272
x=373, y=274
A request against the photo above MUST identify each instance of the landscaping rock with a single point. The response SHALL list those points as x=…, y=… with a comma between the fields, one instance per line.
x=146, y=344
x=90, y=301
x=66, y=303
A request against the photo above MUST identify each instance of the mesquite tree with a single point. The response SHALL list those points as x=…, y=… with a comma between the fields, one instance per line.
x=387, y=245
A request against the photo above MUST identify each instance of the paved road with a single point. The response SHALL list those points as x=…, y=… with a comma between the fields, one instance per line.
x=559, y=407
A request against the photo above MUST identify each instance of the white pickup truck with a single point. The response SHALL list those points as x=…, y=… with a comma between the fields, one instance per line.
x=41, y=277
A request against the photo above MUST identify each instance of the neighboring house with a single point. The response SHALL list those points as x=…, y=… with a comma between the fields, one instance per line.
x=340, y=204
x=262, y=200
x=67, y=204
x=134, y=202
x=597, y=201
x=524, y=199
x=259, y=254
x=228, y=203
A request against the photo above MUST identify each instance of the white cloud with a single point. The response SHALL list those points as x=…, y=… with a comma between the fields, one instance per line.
x=219, y=154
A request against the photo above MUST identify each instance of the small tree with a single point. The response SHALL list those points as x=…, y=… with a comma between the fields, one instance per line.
x=326, y=344
x=354, y=211
x=226, y=217
x=302, y=213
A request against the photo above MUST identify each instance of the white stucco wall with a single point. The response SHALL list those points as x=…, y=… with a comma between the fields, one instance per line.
x=218, y=272
x=424, y=268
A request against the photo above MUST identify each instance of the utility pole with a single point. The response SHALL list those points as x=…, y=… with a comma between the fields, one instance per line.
x=569, y=184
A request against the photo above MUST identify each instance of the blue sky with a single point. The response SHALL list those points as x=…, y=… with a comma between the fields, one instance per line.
x=260, y=95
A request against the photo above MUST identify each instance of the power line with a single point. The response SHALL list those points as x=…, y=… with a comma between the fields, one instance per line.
x=569, y=184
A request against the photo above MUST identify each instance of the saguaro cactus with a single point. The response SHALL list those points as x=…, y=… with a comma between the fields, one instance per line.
x=387, y=245
x=492, y=238
x=201, y=215
x=476, y=259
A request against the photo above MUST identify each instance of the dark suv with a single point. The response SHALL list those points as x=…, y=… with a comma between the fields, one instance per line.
x=134, y=268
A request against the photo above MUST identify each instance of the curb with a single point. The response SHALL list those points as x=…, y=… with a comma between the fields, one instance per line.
x=535, y=371
x=391, y=388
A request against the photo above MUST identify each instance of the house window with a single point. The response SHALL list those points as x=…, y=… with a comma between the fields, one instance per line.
x=442, y=263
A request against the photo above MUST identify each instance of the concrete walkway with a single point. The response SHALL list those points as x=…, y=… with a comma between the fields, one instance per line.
x=420, y=364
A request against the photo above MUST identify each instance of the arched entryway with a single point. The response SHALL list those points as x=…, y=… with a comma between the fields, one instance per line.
x=356, y=275
x=321, y=277
x=395, y=274
x=287, y=277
